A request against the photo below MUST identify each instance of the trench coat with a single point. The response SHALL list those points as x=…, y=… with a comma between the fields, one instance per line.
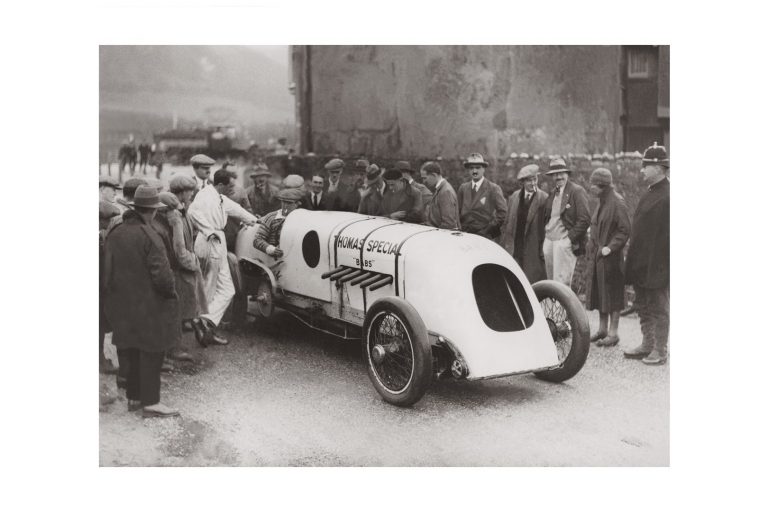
x=186, y=269
x=610, y=228
x=648, y=254
x=140, y=299
x=532, y=261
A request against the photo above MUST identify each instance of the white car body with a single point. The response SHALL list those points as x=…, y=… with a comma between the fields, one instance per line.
x=432, y=269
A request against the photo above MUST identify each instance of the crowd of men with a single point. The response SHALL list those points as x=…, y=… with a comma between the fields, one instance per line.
x=164, y=255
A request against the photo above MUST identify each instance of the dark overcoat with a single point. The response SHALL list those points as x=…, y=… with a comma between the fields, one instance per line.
x=485, y=213
x=442, y=211
x=532, y=261
x=648, y=254
x=263, y=202
x=140, y=298
x=610, y=228
x=407, y=200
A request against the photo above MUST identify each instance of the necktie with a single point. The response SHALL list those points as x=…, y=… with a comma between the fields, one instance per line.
x=474, y=190
x=314, y=200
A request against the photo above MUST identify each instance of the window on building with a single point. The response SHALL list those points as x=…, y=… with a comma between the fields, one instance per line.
x=639, y=64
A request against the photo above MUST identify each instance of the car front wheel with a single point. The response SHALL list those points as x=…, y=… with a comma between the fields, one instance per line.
x=397, y=352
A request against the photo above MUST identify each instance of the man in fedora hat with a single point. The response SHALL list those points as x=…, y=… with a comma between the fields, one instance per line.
x=405, y=167
x=373, y=191
x=401, y=201
x=442, y=210
x=522, y=234
x=566, y=220
x=141, y=302
x=267, y=237
x=209, y=212
x=482, y=209
x=262, y=194
x=647, y=266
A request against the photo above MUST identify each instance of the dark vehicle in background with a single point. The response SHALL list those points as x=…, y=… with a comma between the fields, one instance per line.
x=218, y=142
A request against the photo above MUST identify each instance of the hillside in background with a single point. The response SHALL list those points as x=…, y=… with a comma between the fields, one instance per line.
x=202, y=83
x=141, y=88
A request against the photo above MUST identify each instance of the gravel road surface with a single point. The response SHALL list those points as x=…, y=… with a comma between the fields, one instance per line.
x=283, y=395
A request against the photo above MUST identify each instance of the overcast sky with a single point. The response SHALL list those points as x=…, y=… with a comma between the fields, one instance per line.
x=277, y=53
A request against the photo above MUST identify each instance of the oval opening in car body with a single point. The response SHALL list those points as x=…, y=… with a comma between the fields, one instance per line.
x=501, y=298
x=310, y=248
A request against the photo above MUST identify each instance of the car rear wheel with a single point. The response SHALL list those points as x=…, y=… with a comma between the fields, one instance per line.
x=569, y=326
x=397, y=351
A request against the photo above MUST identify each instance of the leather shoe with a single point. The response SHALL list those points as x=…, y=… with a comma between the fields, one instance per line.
x=608, y=341
x=211, y=338
x=200, y=328
x=598, y=336
x=636, y=353
x=654, y=359
x=180, y=355
x=159, y=411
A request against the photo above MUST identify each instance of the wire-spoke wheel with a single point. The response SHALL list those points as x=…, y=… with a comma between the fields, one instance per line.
x=569, y=327
x=397, y=351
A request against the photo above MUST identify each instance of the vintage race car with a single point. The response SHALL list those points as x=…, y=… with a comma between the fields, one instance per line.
x=426, y=303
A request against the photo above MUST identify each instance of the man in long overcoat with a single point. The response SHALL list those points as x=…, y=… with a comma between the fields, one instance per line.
x=482, y=208
x=608, y=233
x=648, y=259
x=522, y=234
x=373, y=193
x=141, y=302
x=442, y=210
x=262, y=194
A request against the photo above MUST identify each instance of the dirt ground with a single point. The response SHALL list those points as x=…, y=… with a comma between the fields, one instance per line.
x=283, y=395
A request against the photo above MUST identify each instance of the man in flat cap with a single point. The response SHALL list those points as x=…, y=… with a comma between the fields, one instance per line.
x=267, y=237
x=337, y=191
x=262, y=194
x=566, y=219
x=401, y=201
x=405, y=167
x=141, y=302
x=442, y=211
x=209, y=212
x=201, y=166
x=522, y=234
x=373, y=191
x=482, y=208
x=647, y=266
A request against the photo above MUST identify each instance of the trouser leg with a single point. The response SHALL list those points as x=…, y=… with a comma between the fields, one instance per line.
x=564, y=261
x=548, y=257
x=647, y=321
x=224, y=291
x=128, y=358
x=149, y=375
x=659, y=304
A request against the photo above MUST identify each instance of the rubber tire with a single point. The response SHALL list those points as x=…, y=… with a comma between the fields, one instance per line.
x=422, y=351
x=576, y=358
x=239, y=305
